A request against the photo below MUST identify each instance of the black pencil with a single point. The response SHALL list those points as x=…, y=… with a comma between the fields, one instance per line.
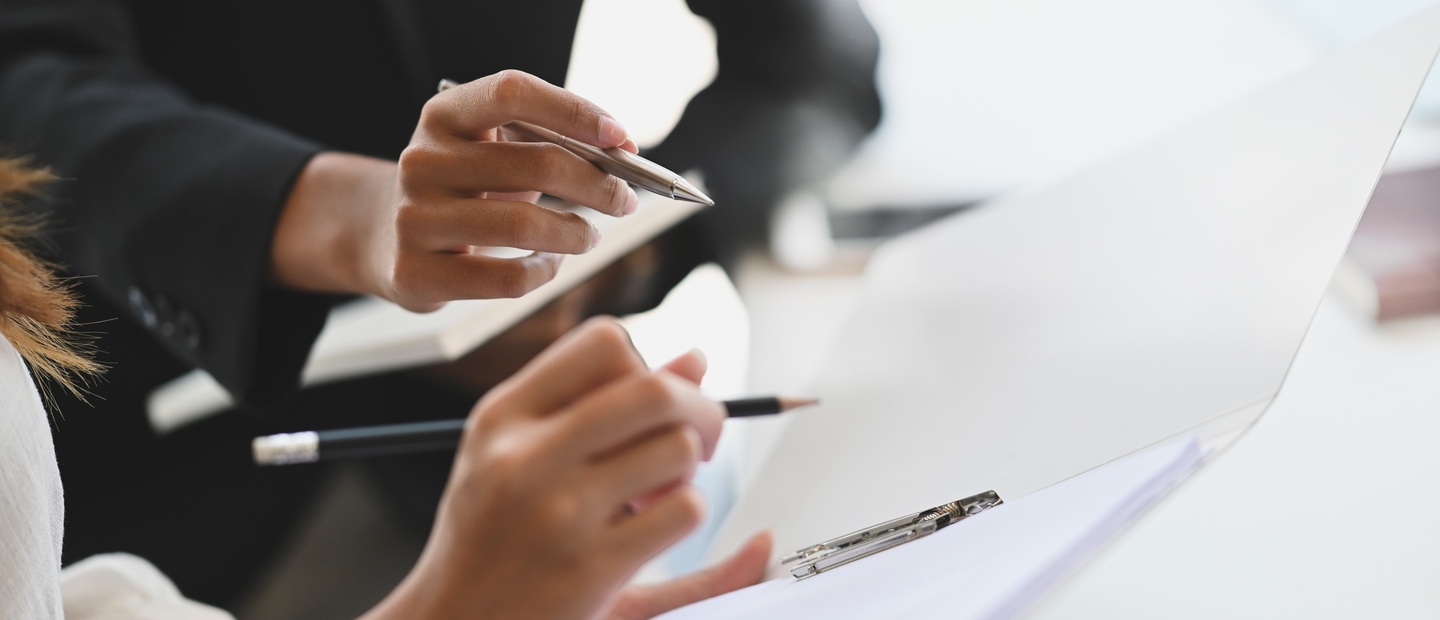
x=411, y=437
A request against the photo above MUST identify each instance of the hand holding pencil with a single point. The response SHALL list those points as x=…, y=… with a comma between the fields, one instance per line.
x=412, y=437
x=569, y=476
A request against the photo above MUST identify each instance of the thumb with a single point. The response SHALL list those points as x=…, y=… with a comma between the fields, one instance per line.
x=691, y=366
x=745, y=567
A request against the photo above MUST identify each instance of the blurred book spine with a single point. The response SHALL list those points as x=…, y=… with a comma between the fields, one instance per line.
x=1392, y=269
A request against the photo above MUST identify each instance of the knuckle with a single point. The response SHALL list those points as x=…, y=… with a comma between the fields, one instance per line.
x=409, y=286
x=409, y=219
x=684, y=445
x=501, y=465
x=415, y=158
x=486, y=418
x=510, y=86
x=483, y=423
x=548, y=160
x=510, y=285
x=619, y=193
x=513, y=280
x=561, y=509
x=518, y=225
x=689, y=509
x=403, y=279
x=575, y=230
x=655, y=392
x=407, y=160
x=610, y=334
x=580, y=114
x=508, y=457
x=433, y=109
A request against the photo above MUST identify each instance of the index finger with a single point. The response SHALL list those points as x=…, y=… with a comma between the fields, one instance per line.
x=630, y=408
x=471, y=110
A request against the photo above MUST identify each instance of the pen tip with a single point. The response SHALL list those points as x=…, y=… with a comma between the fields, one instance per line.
x=683, y=190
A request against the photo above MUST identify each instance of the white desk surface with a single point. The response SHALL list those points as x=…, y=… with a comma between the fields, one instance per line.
x=1329, y=508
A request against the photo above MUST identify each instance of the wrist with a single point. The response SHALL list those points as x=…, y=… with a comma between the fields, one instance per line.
x=333, y=225
x=417, y=597
x=434, y=591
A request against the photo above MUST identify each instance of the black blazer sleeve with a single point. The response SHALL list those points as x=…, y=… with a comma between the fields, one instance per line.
x=168, y=203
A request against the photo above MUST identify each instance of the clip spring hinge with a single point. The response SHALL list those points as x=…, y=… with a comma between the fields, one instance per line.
x=819, y=558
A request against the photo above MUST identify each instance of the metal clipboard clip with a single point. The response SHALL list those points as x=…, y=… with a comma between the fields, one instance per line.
x=817, y=559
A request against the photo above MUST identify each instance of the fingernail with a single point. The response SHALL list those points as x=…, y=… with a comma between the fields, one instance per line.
x=611, y=133
x=632, y=202
x=698, y=354
x=594, y=237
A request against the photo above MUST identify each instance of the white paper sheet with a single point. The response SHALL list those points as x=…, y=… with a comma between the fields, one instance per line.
x=1042, y=336
x=992, y=565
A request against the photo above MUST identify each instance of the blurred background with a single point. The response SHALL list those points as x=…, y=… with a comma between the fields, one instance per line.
x=984, y=97
x=1324, y=510
x=987, y=97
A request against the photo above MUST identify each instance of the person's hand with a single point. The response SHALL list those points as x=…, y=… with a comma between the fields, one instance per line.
x=745, y=567
x=570, y=476
x=411, y=232
x=611, y=291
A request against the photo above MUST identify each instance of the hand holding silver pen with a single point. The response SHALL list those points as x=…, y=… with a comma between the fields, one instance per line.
x=415, y=231
x=616, y=161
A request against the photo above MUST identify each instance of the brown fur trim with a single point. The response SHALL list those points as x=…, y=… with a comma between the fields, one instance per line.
x=36, y=307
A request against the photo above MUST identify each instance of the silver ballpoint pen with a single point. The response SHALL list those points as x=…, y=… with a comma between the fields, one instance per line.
x=627, y=166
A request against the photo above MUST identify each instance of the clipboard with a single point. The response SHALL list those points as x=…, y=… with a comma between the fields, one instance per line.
x=1161, y=295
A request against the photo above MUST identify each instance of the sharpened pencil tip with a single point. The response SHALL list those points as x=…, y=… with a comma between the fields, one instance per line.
x=794, y=402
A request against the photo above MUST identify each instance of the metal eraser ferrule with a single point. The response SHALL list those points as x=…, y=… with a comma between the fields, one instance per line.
x=287, y=448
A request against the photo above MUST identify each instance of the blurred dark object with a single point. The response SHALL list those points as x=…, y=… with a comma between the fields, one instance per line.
x=883, y=223
x=795, y=94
